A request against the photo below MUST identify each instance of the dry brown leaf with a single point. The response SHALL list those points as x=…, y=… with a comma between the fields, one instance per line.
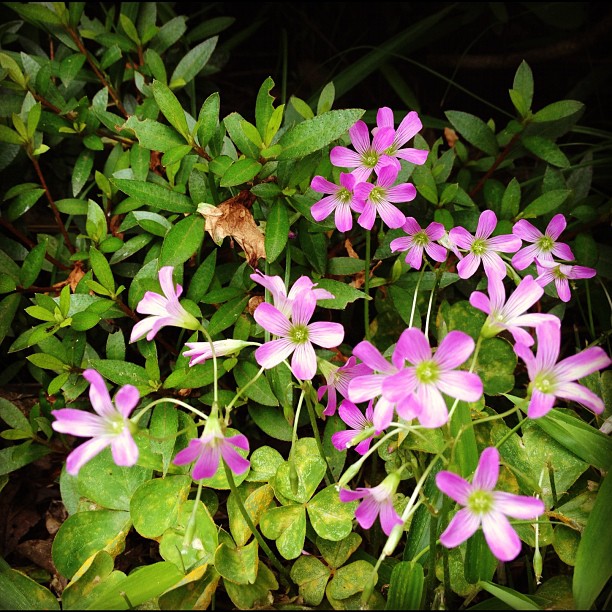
x=451, y=137
x=232, y=218
x=350, y=250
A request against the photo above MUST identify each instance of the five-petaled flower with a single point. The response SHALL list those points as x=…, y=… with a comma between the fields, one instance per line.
x=295, y=336
x=550, y=379
x=482, y=248
x=409, y=126
x=109, y=427
x=510, y=315
x=368, y=156
x=164, y=309
x=341, y=200
x=561, y=274
x=380, y=198
x=418, y=387
x=283, y=300
x=376, y=501
x=486, y=507
x=545, y=245
x=419, y=240
x=362, y=431
x=210, y=447
x=337, y=380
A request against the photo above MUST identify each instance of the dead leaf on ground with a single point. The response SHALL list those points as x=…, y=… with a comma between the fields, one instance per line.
x=232, y=218
x=451, y=137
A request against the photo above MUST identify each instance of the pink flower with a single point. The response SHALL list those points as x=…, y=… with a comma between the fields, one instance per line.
x=379, y=198
x=164, y=310
x=486, y=507
x=510, y=315
x=376, y=501
x=550, y=379
x=419, y=239
x=207, y=450
x=561, y=274
x=544, y=246
x=341, y=200
x=338, y=380
x=367, y=157
x=296, y=336
x=430, y=375
x=482, y=248
x=370, y=386
x=201, y=351
x=109, y=427
x=284, y=301
x=361, y=426
x=407, y=129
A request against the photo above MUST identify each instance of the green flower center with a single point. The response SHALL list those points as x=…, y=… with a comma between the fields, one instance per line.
x=427, y=372
x=420, y=239
x=299, y=334
x=116, y=424
x=544, y=382
x=377, y=195
x=344, y=195
x=557, y=273
x=370, y=159
x=479, y=246
x=545, y=244
x=480, y=502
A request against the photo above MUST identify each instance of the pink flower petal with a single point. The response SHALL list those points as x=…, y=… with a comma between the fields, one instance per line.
x=235, y=462
x=500, y=536
x=481, y=301
x=78, y=423
x=360, y=136
x=556, y=226
x=487, y=471
x=127, y=399
x=468, y=265
x=524, y=257
x=436, y=251
x=124, y=449
x=367, y=512
x=327, y=335
x=579, y=393
x=518, y=506
x=414, y=156
x=389, y=517
x=413, y=346
x=207, y=463
x=461, y=237
x=271, y=319
x=346, y=495
x=304, y=362
x=462, y=526
x=274, y=352
x=391, y=215
x=466, y=386
x=322, y=185
x=343, y=157
x=383, y=414
x=454, y=349
x=582, y=364
x=434, y=412
x=323, y=208
x=454, y=486
x=351, y=415
x=409, y=127
x=526, y=231
x=166, y=283
x=372, y=357
x=98, y=394
x=540, y=404
x=85, y=452
x=364, y=388
x=487, y=222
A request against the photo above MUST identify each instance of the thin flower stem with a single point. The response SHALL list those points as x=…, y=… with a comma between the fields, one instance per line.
x=191, y=525
x=505, y=438
x=170, y=400
x=267, y=297
x=366, y=283
x=240, y=392
x=214, y=360
x=416, y=293
x=285, y=577
x=430, y=304
x=295, y=421
x=315, y=430
x=494, y=417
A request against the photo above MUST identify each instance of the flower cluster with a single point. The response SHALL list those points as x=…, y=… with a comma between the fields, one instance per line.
x=408, y=388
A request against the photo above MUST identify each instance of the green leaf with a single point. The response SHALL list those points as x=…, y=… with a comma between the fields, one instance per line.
x=69, y=68
x=109, y=485
x=523, y=84
x=20, y=592
x=406, y=586
x=241, y=171
x=260, y=390
x=311, y=576
x=474, y=130
x=238, y=565
x=32, y=264
x=82, y=169
x=343, y=294
x=286, y=525
x=256, y=502
x=142, y=585
x=95, y=224
x=271, y=421
x=86, y=533
x=264, y=463
x=331, y=518
x=171, y=108
x=153, y=135
x=557, y=111
x=154, y=506
x=350, y=579
x=10, y=136
x=516, y=600
x=8, y=309
x=547, y=150
x=101, y=269
x=310, y=468
x=226, y=315
x=163, y=429
x=15, y=457
x=314, y=134
x=153, y=223
x=12, y=416
x=277, y=231
x=123, y=373
x=546, y=203
x=193, y=62
x=234, y=123
x=208, y=119
x=593, y=567
x=182, y=241
x=154, y=195
x=264, y=108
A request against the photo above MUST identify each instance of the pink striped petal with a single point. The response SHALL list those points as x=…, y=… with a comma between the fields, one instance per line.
x=235, y=462
x=383, y=414
x=540, y=404
x=78, y=423
x=481, y=301
x=518, y=506
x=343, y=218
x=581, y=394
x=127, y=399
x=563, y=251
x=304, y=362
x=406, y=192
x=556, y=226
x=434, y=412
x=468, y=265
x=454, y=486
x=506, y=243
x=466, y=386
x=389, y=518
x=413, y=346
x=391, y=215
x=98, y=394
x=582, y=364
x=436, y=251
x=500, y=536
x=344, y=157
x=124, y=449
x=461, y=237
x=364, y=388
x=525, y=257
x=409, y=127
x=327, y=335
x=360, y=136
x=487, y=222
x=454, y=349
x=367, y=217
x=272, y=320
x=323, y=208
x=487, y=471
x=367, y=512
x=322, y=185
x=166, y=283
x=397, y=386
x=462, y=526
x=274, y=352
x=526, y=231
x=414, y=156
x=85, y=452
x=372, y=357
x=346, y=495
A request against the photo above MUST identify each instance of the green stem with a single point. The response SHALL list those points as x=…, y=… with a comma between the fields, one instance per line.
x=416, y=293
x=172, y=401
x=240, y=392
x=191, y=525
x=366, y=284
x=285, y=577
x=315, y=430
